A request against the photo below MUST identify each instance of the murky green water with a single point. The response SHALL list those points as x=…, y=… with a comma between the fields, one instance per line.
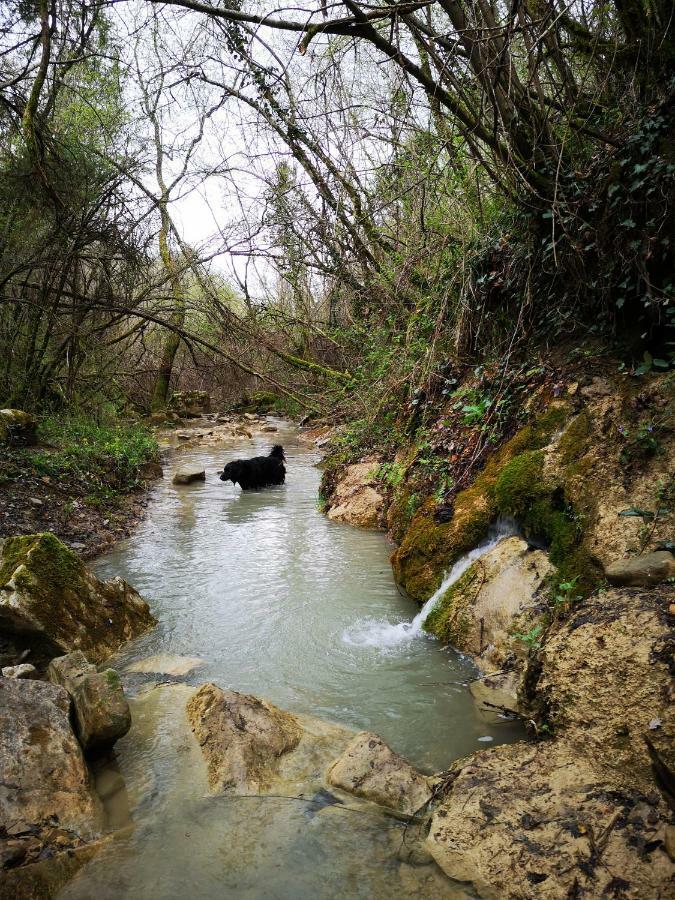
x=280, y=602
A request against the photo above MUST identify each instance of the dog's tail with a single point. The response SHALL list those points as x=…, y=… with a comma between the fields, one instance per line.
x=277, y=452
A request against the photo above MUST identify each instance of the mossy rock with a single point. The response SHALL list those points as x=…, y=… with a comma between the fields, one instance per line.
x=39, y=554
x=450, y=620
x=17, y=427
x=428, y=548
x=50, y=598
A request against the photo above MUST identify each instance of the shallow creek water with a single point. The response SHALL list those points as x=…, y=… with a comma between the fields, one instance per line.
x=278, y=601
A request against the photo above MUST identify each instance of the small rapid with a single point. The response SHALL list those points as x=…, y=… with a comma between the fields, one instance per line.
x=385, y=635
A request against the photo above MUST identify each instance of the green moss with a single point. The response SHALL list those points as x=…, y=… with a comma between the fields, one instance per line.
x=45, y=556
x=574, y=442
x=520, y=483
x=112, y=678
x=538, y=433
x=449, y=620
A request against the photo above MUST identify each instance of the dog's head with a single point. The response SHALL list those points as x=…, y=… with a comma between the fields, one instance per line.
x=277, y=452
x=231, y=472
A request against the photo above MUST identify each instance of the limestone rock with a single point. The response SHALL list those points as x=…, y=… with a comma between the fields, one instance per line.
x=642, y=571
x=165, y=664
x=370, y=769
x=356, y=499
x=42, y=770
x=44, y=879
x=23, y=670
x=605, y=677
x=268, y=429
x=191, y=404
x=49, y=597
x=101, y=710
x=477, y=612
x=497, y=691
x=17, y=427
x=533, y=822
x=241, y=737
x=188, y=475
x=252, y=747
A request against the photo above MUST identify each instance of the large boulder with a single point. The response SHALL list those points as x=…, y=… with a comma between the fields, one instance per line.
x=241, y=737
x=580, y=815
x=102, y=713
x=526, y=822
x=49, y=597
x=606, y=682
x=368, y=768
x=356, y=498
x=476, y=614
x=642, y=571
x=44, y=780
x=17, y=427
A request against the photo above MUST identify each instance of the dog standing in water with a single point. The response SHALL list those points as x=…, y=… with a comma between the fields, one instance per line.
x=259, y=472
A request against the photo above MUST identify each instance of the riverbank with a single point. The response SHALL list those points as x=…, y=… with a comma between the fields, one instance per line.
x=85, y=482
x=571, y=618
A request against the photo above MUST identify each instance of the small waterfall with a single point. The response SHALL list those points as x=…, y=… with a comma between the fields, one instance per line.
x=383, y=634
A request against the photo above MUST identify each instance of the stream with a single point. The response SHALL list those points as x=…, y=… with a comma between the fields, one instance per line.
x=271, y=598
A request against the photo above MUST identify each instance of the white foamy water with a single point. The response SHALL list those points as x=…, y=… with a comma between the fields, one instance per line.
x=384, y=634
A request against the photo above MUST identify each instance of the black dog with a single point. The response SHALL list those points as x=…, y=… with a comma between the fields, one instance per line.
x=259, y=472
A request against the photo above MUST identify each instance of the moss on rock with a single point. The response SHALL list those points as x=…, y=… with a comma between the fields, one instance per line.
x=429, y=548
x=51, y=598
x=449, y=620
x=42, y=554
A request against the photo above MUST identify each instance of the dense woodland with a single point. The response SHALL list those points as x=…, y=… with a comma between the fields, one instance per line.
x=396, y=190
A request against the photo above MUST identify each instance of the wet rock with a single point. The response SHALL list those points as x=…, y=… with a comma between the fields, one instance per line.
x=269, y=428
x=524, y=822
x=188, y=475
x=49, y=597
x=165, y=664
x=102, y=713
x=477, y=612
x=43, y=776
x=497, y=692
x=356, y=499
x=252, y=747
x=23, y=670
x=241, y=737
x=642, y=571
x=56, y=864
x=17, y=427
x=370, y=769
x=190, y=404
x=605, y=677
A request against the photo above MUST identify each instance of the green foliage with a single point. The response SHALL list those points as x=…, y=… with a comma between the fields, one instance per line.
x=391, y=474
x=563, y=598
x=531, y=637
x=640, y=442
x=105, y=458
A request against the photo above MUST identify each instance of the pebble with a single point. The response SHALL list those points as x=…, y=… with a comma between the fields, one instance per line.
x=24, y=670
